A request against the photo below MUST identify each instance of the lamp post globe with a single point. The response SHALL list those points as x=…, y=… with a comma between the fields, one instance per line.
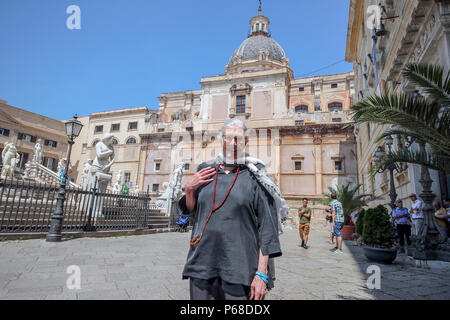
x=73, y=129
x=389, y=141
x=379, y=153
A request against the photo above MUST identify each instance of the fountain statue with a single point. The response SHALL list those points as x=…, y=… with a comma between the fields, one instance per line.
x=10, y=159
x=173, y=190
x=86, y=172
x=136, y=191
x=99, y=169
x=38, y=153
x=117, y=188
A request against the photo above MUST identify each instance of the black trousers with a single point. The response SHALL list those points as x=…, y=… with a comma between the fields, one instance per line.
x=214, y=291
x=402, y=231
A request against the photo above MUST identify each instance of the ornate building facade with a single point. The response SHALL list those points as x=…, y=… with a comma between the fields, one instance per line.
x=295, y=124
x=413, y=31
x=126, y=125
x=25, y=129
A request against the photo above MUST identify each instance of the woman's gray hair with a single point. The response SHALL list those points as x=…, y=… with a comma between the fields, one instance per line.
x=233, y=122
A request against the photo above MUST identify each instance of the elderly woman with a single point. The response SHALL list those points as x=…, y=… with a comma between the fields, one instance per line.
x=235, y=228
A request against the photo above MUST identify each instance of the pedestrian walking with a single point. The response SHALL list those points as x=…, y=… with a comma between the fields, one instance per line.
x=304, y=215
x=337, y=214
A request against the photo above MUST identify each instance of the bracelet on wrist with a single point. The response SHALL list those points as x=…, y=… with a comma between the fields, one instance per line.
x=263, y=277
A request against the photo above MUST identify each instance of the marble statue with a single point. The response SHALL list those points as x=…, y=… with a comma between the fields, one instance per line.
x=136, y=191
x=10, y=159
x=86, y=172
x=102, y=163
x=175, y=183
x=118, y=186
x=161, y=202
x=99, y=169
x=173, y=189
x=38, y=153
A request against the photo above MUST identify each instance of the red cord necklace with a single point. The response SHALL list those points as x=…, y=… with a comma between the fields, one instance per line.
x=195, y=241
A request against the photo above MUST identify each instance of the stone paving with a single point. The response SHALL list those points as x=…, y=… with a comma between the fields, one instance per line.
x=150, y=266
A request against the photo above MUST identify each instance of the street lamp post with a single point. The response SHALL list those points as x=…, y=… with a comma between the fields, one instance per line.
x=73, y=128
x=427, y=242
x=391, y=167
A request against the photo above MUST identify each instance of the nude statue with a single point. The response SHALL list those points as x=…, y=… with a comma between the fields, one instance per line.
x=37, y=156
x=10, y=159
x=86, y=173
x=117, y=186
x=100, y=169
x=105, y=154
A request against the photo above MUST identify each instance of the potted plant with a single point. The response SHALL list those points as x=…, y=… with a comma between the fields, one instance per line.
x=378, y=235
x=351, y=201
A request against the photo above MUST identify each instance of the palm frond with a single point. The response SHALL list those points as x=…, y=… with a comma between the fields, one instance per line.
x=414, y=114
x=427, y=159
x=430, y=78
x=436, y=144
x=349, y=198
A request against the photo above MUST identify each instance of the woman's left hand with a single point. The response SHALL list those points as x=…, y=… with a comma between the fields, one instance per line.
x=258, y=289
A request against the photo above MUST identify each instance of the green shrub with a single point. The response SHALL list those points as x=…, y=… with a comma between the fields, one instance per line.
x=377, y=228
x=359, y=222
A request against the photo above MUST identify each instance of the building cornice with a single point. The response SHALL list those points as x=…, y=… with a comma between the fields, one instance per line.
x=355, y=20
x=117, y=112
x=285, y=71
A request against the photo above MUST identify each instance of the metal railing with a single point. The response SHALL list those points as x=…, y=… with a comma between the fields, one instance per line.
x=28, y=206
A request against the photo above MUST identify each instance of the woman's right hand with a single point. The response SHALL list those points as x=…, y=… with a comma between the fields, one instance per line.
x=199, y=178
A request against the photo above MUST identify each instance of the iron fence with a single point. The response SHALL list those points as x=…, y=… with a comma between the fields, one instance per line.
x=28, y=206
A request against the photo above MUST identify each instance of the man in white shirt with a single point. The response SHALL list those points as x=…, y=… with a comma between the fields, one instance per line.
x=416, y=214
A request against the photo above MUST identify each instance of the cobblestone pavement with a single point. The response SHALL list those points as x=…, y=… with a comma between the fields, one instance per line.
x=150, y=266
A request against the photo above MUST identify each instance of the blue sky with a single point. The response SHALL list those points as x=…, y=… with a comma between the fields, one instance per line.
x=128, y=52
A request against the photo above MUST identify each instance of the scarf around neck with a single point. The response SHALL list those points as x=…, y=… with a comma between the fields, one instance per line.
x=266, y=182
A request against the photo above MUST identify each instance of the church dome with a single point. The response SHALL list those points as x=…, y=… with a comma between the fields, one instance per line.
x=251, y=48
x=259, y=51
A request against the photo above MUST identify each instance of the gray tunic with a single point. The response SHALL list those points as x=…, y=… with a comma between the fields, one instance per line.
x=246, y=223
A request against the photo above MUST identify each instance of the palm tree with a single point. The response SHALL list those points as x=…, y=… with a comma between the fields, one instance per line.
x=425, y=119
x=348, y=197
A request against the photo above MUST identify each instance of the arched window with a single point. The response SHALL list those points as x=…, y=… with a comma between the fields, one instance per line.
x=114, y=141
x=335, y=106
x=131, y=140
x=302, y=108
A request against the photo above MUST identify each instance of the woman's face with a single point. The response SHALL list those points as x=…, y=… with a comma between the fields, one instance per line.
x=233, y=143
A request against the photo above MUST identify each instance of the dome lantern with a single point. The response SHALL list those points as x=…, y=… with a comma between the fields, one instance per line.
x=259, y=51
x=259, y=25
